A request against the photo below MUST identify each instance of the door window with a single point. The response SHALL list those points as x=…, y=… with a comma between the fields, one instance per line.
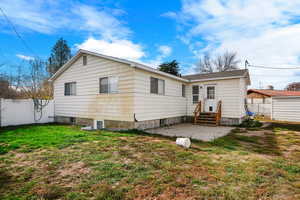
x=211, y=92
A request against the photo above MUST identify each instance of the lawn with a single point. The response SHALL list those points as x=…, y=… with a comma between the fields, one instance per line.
x=63, y=162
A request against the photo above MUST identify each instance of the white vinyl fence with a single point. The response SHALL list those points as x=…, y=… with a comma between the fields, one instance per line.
x=21, y=111
x=260, y=109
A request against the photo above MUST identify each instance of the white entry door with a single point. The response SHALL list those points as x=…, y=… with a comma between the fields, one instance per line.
x=210, y=104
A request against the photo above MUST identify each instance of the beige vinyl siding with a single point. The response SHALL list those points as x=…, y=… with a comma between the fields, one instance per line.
x=232, y=93
x=88, y=103
x=149, y=106
x=286, y=109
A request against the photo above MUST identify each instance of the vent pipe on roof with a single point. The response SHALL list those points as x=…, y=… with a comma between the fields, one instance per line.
x=270, y=87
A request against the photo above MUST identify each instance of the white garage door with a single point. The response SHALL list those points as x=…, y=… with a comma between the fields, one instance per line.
x=286, y=109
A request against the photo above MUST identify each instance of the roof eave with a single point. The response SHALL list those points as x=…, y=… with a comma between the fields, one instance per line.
x=215, y=79
x=285, y=97
x=130, y=63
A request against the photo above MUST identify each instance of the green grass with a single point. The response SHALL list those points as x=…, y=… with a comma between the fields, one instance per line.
x=64, y=162
x=28, y=138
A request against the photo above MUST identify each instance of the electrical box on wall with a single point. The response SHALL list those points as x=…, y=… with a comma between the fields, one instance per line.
x=98, y=124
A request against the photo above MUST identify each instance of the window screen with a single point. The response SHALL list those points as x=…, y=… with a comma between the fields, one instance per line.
x=70, y=89
x=157, y=86
x=108, y=85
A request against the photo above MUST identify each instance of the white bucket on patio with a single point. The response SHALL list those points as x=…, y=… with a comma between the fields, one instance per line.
x=184, y=142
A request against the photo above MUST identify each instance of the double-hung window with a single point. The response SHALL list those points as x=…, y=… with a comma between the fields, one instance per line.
x=70, y=89
x=108, y=85
x=157, y=86
x=195, y=93
x=210, y=92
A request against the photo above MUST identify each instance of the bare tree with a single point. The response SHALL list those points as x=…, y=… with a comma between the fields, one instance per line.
x=205, y=64
x=35, y=86
x=293, y=86
x=226, y=62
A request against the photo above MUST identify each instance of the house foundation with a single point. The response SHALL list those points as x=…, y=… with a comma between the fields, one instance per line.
x=141, y=125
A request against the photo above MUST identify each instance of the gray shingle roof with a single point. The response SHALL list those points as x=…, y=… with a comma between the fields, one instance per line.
x=234, y=73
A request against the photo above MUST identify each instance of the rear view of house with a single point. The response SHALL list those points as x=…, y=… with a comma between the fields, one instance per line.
x=109, y=92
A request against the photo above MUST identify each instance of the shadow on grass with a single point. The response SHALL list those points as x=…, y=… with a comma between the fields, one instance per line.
x=283, y=127
x=266, y=143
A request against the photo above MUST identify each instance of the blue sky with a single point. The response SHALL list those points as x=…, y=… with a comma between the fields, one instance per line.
x=266, y=33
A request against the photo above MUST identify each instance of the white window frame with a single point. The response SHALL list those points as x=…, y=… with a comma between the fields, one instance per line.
x=84, y=60
x=71, y=92
x=161, y=86
x=207, y=92
x=110, y=89
x=183, y=90
x=95, y=123
x=194, y=94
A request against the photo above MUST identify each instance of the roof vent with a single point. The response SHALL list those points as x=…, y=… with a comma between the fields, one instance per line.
x=270, y=87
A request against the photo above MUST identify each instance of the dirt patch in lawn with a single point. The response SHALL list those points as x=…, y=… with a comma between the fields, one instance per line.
x=72, y=169
x=260, y=164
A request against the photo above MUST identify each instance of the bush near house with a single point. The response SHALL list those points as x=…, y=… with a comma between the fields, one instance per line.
x=64, y=162
x=250, y=123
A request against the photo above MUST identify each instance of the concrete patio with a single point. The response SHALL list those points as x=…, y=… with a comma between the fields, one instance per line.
x=197, y=132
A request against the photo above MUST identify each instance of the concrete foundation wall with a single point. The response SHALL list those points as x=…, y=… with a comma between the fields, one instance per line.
x=123, y=125
x=141, y=125
x=226, y=121
x=74, y=120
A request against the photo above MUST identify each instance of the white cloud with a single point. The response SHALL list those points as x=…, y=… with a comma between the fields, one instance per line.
x=100, y=22
x=107, y=33
x=264, y=32
x=165, y=50
x=52, y=16
x=40, y=16
x=24, y=57
x=117, y=48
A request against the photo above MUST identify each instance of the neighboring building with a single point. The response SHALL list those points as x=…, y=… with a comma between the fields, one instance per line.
x=286, y=108
x=111, y=92
x=260, y=101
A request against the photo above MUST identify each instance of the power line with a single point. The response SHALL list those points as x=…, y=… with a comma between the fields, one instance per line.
x=247, y=64
x=17, y=33
x=263, y=67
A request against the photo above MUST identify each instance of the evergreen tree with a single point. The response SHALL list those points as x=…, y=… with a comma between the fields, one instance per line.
x=60, y=54
x=170, y=67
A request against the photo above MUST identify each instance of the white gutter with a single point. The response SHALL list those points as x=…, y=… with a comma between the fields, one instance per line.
x=285, y=97
x=220, y=78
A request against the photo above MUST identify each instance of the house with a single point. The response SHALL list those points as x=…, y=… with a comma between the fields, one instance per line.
x=109, y=92
x=260, y=101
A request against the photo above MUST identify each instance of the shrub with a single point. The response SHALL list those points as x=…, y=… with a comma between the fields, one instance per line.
x=250, y=123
